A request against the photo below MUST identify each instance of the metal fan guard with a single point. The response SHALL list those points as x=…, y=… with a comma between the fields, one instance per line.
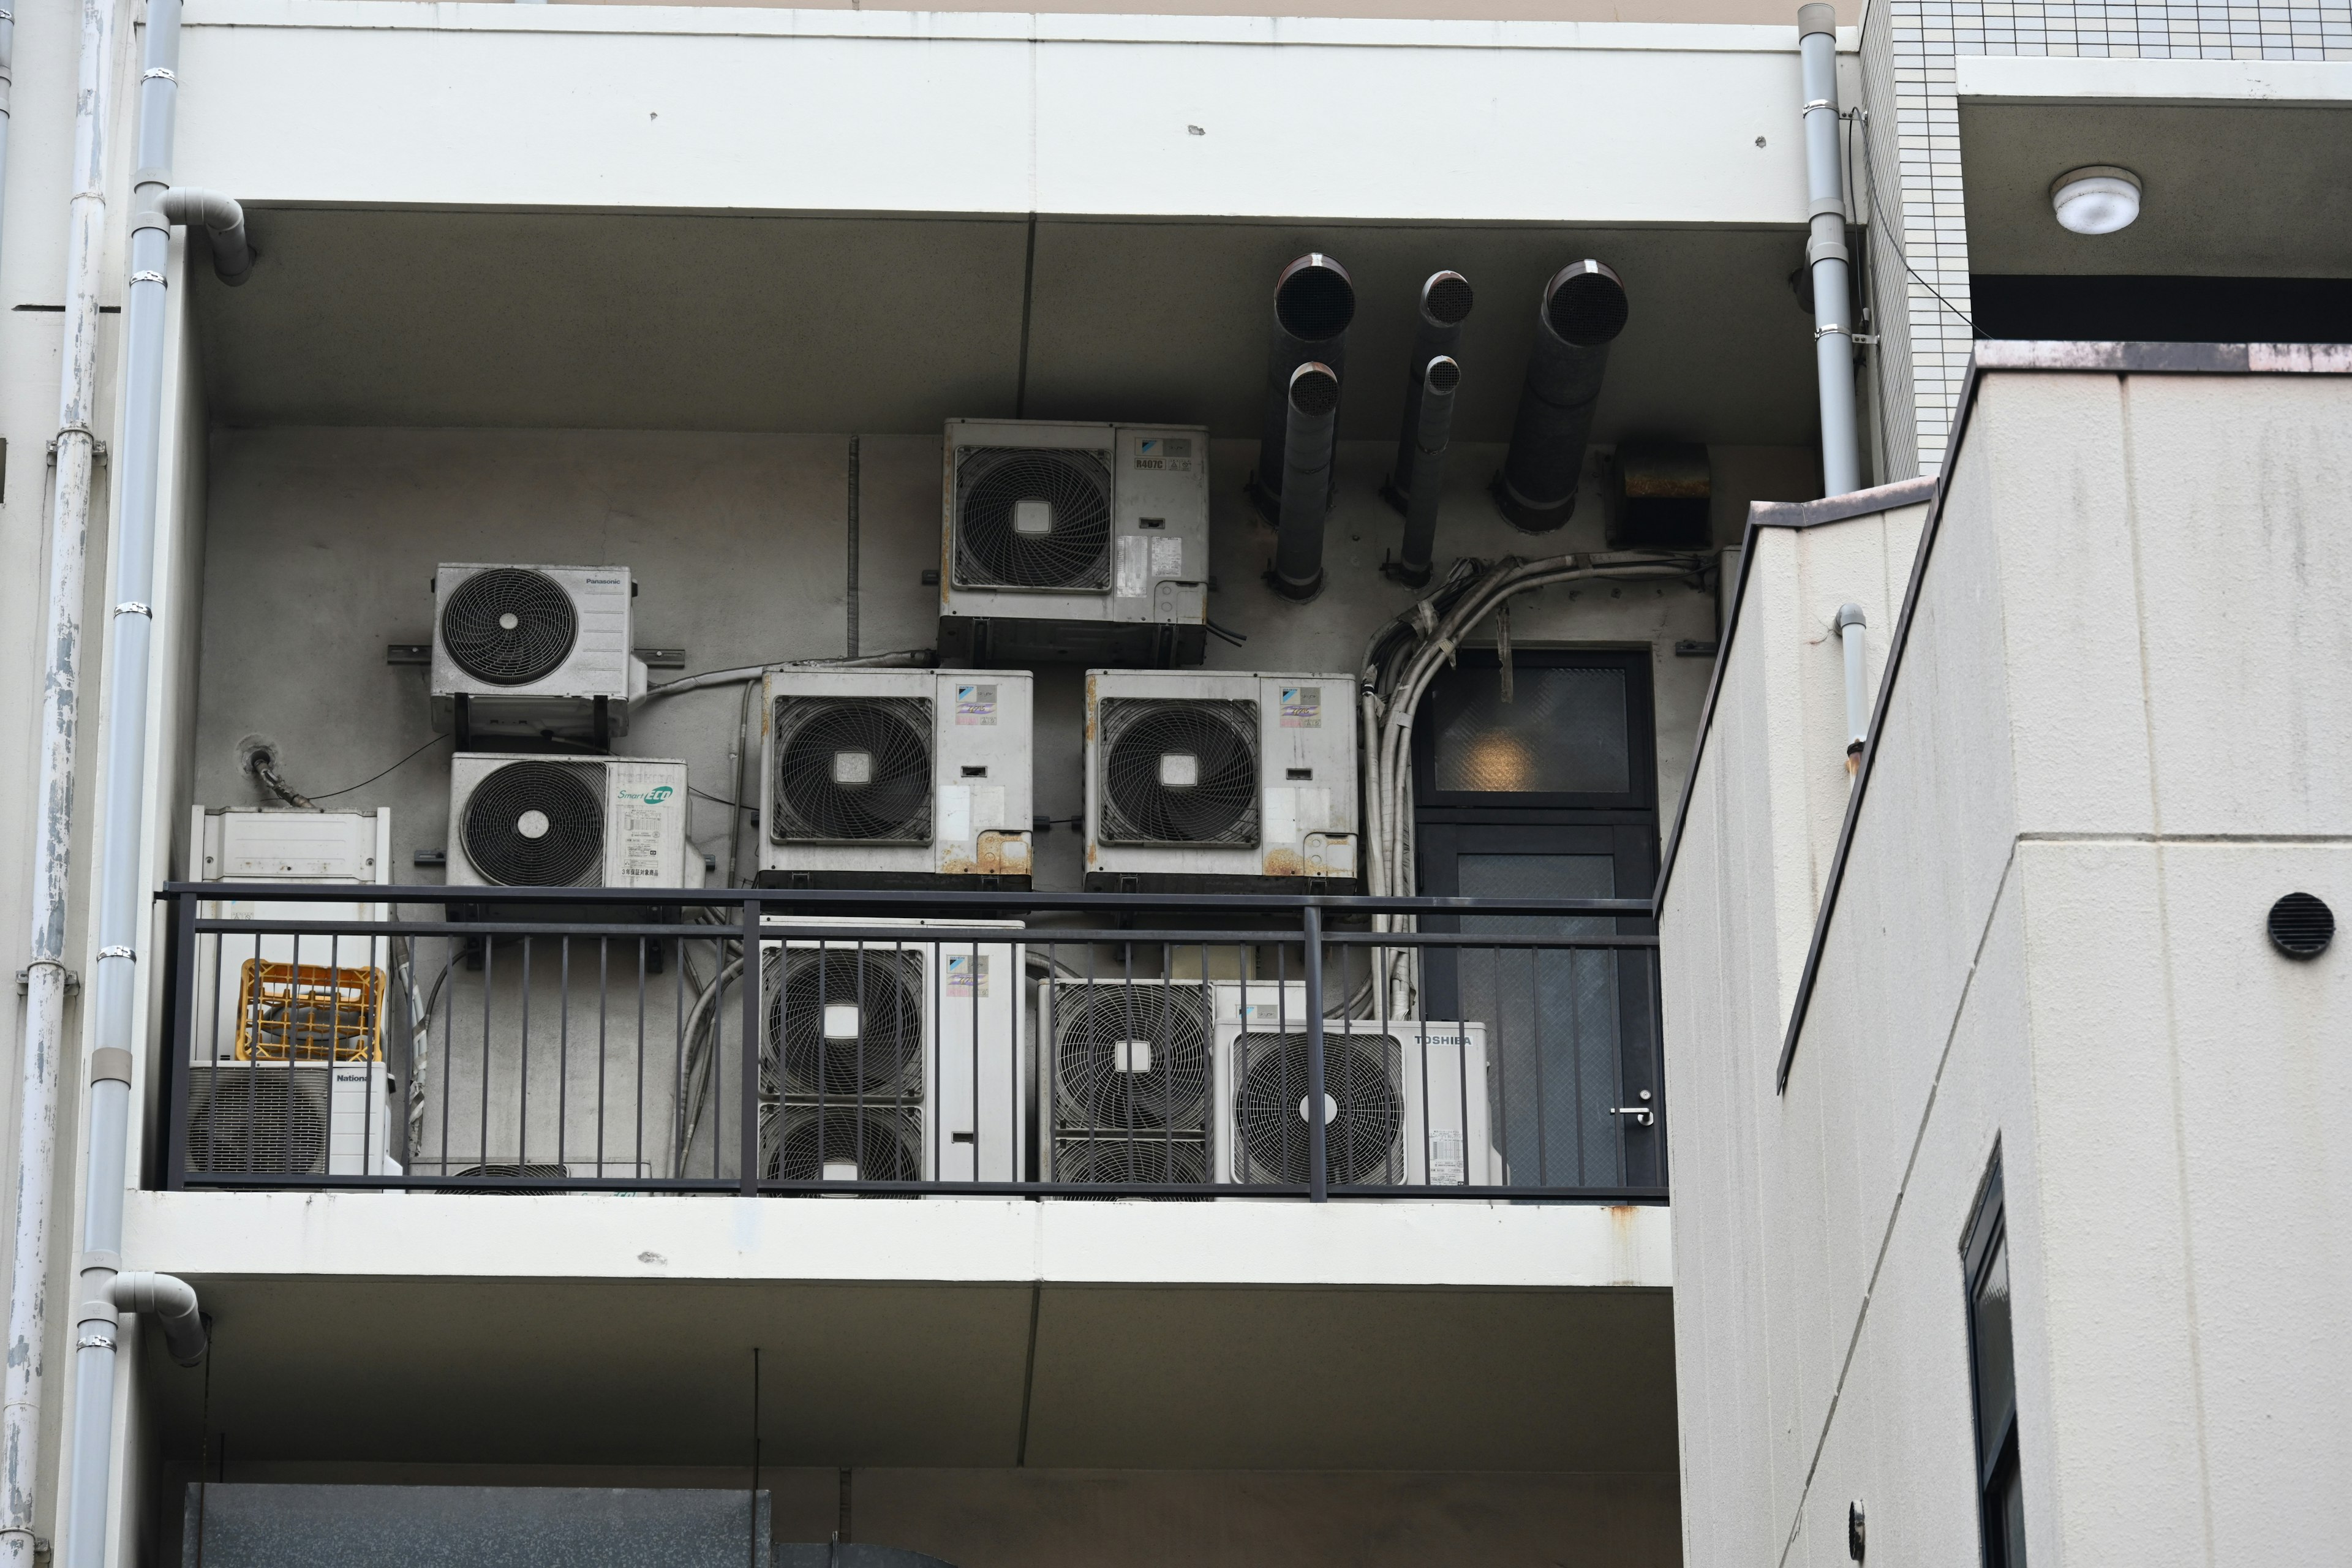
x=546, y=625
x=1363, y=1143
x=569, y=854
x=1144, y=1159
x=1075, y=557
x=810, y=808
x=883, y=1063
x=267, y=1120
x=1222, y=809
x=1090, y=1090
x=795, y=1141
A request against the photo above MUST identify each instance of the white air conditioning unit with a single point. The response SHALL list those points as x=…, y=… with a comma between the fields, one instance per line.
x=1205, y=779
x=892, y=1061
x=525, y=650
x=1404, y=1103
x=1075, y=544
x=569, y=822
x=884, y=778
x=286, y=1071
x=1126, y=1096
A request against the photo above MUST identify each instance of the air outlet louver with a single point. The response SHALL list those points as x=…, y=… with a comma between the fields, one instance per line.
x=509, y=625
x=846, y=1023
x=1363, y=1110
x=2302, y=925
x=1178, y=772
x=852, y=770
x=257, y=1118
x=805, y=1143
x=537, y=825
x=1032, y=517
x=1131, y=1056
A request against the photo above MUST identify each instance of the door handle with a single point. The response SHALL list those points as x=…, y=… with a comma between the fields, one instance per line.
x=1643, y=1115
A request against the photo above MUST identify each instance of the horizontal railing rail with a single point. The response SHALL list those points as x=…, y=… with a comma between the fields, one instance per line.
x=896, y=1045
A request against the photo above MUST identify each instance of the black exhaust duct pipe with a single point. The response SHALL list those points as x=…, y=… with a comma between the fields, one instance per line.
x=1314, y=300
x=1311, y=420
x=1583, y=310
x=1433, y=391
x=1445, y=306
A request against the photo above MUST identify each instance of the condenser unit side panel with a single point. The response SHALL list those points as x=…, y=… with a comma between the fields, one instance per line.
x=981, y=821
x=1161, y=566
x=644, y=822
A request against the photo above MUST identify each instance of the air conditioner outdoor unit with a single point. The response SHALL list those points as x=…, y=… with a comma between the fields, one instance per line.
x=287, y=1073
x=892, y=1061
x=569, y=822
x=1207, y=781
x=1126, y=1096
x=1074, y=543
x=522, y=650
x=1404, y=1103
x=896, y=778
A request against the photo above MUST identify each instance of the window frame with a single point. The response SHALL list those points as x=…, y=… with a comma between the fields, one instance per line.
x=1640, y=798
x=1997, y=1458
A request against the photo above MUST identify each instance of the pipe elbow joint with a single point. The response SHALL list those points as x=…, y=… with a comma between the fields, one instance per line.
x=171, y=1302
x=1849, y=615
x=223, y=220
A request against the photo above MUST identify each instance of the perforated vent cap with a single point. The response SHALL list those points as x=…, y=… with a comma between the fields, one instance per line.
x=1446, y=299
x=2302, y=925
x=1585, y=304
x=1314, y=299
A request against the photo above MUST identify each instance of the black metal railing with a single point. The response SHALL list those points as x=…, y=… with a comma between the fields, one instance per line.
x=896, y=1044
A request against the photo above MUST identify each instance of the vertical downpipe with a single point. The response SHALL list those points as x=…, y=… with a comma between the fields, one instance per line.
x=45, y=1036
x=1308, y=441
x=1857, y=696
x=1825, y=251
x=122, y=907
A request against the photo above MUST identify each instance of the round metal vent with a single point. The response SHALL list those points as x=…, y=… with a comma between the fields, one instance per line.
x=1178, y=772
x=536, y=825
x=1314, y=389
x=1313, y=299
x=509, y=625
x=1446, y=299
x=841, y=1143
x=2302, y=925
x=1585, y=304
x=851, y=770
x=844, y=1023
x=1363, y=1113
x=1131, y=1056
x=1032, y=517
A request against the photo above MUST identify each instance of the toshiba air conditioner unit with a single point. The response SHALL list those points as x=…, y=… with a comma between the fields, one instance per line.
x=1404, y=1101
x=1125, y=1091
x=286, y=1074
x=896, y=778
x=1074, y=543
x=892, y=1061
x=569, y=822
x=532, y=650
x=1208, y=781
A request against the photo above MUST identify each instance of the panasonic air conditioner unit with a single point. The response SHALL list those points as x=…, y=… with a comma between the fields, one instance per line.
x=1074, y=543
x=892, y=1061
x=527, y=651
x=1404, y=1103
x=569, y=822
x=1205, y=779
x=1127, y=1089
x=896, y=778
x=287, y=1070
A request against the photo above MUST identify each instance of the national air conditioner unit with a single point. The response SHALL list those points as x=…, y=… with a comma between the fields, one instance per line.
x=895, y=778
x=1205, y=781
x=892, y=1061
x=569, y=822
x=1404, y=1103
x=1125, y=1091
x=287, y=1073
x=526, y=650
x=1074, y=543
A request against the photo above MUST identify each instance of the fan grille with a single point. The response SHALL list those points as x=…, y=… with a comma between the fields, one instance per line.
x=1143, y=742
x=509, y=625
x=798, y=1141
x=1131, y=1056
x=1363, y=1122
x=877, y=1053
x=997, y=545
x=1106, y=1161
x=270, y=1119
x=538, y=824
x=853, y=770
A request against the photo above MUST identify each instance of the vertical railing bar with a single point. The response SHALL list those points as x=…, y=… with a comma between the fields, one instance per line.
x=677, y=1064
x=1543, y=1093
x=1498, y=1061
x=449, y=1050
x=181, y=1039
x=747, y=1139
x=643, y=948
x=1652, y=970
x=563, y=1057
x=522, y=1069
x=604, y=1036
x=489, y=958
x=1471, y=1177
x=1317, y=1147
x=1127, y=1088
x=976, y=1120
x=935, y=1056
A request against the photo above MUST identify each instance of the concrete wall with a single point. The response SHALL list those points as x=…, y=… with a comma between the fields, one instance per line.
x=2116, y=738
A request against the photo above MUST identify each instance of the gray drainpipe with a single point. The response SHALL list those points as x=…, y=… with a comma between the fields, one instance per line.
x=1825, y=251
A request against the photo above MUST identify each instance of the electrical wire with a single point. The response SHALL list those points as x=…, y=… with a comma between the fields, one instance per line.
x=394, y=768
x=1870, y=178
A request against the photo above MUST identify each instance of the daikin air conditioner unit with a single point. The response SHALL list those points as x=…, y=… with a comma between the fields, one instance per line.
x=1126, y=1093
x=286, y=1071
x=896, y=778
x=1404, y=1103
x=519, y=650
x=1206, y=780
x=1074, y=543
x=892, y=1061
x=569, y=822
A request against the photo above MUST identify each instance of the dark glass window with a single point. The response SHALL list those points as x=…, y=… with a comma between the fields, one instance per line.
x=1563, y=732
x=1992, y=1364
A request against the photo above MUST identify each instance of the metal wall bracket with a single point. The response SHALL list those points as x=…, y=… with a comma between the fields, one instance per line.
x=25, y=981
x=408, y=653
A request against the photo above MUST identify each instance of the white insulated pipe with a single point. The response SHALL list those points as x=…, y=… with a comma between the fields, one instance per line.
x=1851, y=627
x=1825, y=251
x=45, y=1048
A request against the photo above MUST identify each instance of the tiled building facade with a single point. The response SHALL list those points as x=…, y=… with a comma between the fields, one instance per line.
x=1913, y=158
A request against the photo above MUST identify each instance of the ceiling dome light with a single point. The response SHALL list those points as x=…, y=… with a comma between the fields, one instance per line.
x=2099, y=199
